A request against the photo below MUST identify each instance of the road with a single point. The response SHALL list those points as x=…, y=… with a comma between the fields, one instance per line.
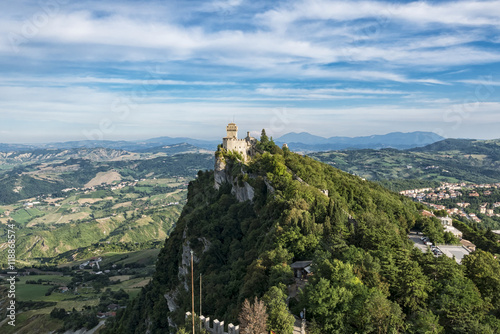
x=413, y=236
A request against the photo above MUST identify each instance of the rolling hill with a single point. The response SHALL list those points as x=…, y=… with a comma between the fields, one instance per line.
x=449, y=160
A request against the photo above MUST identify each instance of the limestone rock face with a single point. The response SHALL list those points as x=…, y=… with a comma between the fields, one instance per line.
x=222, y=174
x=244, y=193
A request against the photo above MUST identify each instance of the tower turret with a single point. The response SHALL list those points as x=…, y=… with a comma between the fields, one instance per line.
x=232, y=130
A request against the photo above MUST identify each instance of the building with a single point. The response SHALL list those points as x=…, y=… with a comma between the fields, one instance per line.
x=453, y=231
x=245, y=147
x=469, y=245
x=427, y=213
x=301, y=268
x=446, y=221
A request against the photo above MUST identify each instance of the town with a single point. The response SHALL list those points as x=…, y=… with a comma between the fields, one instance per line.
x=459, y=197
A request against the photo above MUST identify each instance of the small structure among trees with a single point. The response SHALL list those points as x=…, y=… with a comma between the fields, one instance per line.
x=301, y=268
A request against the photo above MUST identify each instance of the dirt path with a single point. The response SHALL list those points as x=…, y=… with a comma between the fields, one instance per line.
x=297, y=326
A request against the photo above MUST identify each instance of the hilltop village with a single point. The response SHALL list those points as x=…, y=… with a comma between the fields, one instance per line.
x=471, y=201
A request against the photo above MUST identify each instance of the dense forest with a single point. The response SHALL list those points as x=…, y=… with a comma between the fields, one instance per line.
x=367, y=276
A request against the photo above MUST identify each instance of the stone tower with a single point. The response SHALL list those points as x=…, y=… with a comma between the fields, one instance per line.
x=246, y=146
x=232, y=130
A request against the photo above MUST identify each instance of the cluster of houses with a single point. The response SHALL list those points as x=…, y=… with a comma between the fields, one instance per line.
x=487, y=209
x=449, y=190
x=91, y=263
x=455, y=211
x=120, y=185
x=30, y=204
x=431, y=194
x=454, y=190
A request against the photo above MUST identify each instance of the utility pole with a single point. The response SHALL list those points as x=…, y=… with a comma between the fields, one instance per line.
x=192, y=290
x=200, y=302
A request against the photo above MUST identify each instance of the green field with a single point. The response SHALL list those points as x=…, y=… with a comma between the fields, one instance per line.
x=55, y=279
x=146, y=257
x=172, y=182
x=22, y=216
x=144, y=189
x=37, y=291
x=31, y=291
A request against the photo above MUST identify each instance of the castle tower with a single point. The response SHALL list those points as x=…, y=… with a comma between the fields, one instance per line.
x=232, y=130
x=246, y=146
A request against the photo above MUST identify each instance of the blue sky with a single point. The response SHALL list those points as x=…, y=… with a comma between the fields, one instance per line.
x=74, y=70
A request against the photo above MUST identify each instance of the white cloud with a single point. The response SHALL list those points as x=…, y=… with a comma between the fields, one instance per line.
x=482, y=81
x=221, y=5
x=156, y=81
x=325, y=93
x=471, y=13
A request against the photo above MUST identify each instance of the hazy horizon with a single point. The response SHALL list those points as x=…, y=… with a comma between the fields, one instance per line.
x=241, y=134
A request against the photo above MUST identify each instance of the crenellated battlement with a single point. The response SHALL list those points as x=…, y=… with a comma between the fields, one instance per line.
x=217, y=326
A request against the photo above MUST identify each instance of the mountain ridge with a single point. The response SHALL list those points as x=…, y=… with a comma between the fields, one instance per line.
x=303, y=141
x=307, y=142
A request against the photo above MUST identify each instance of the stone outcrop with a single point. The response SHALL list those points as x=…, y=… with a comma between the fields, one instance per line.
x=222, y=174
x=244, y=193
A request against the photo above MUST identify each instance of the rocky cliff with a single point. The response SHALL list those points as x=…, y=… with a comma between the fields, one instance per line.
x=223, y=173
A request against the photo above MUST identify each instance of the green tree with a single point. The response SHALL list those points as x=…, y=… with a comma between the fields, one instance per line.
x=484, y=270
x=459, y=305
x=412, y=285
x=264, y=139
x=425, y=322
x=380, y=315
x=280, y=319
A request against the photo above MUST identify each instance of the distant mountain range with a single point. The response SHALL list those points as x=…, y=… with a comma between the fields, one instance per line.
x=303, y=142
x=310, y=143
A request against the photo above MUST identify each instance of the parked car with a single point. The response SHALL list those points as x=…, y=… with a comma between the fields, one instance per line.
x=428, y=243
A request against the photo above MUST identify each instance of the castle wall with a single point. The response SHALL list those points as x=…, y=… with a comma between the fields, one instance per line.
x=246, y=146
x=242, y=146
x=217, y=327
